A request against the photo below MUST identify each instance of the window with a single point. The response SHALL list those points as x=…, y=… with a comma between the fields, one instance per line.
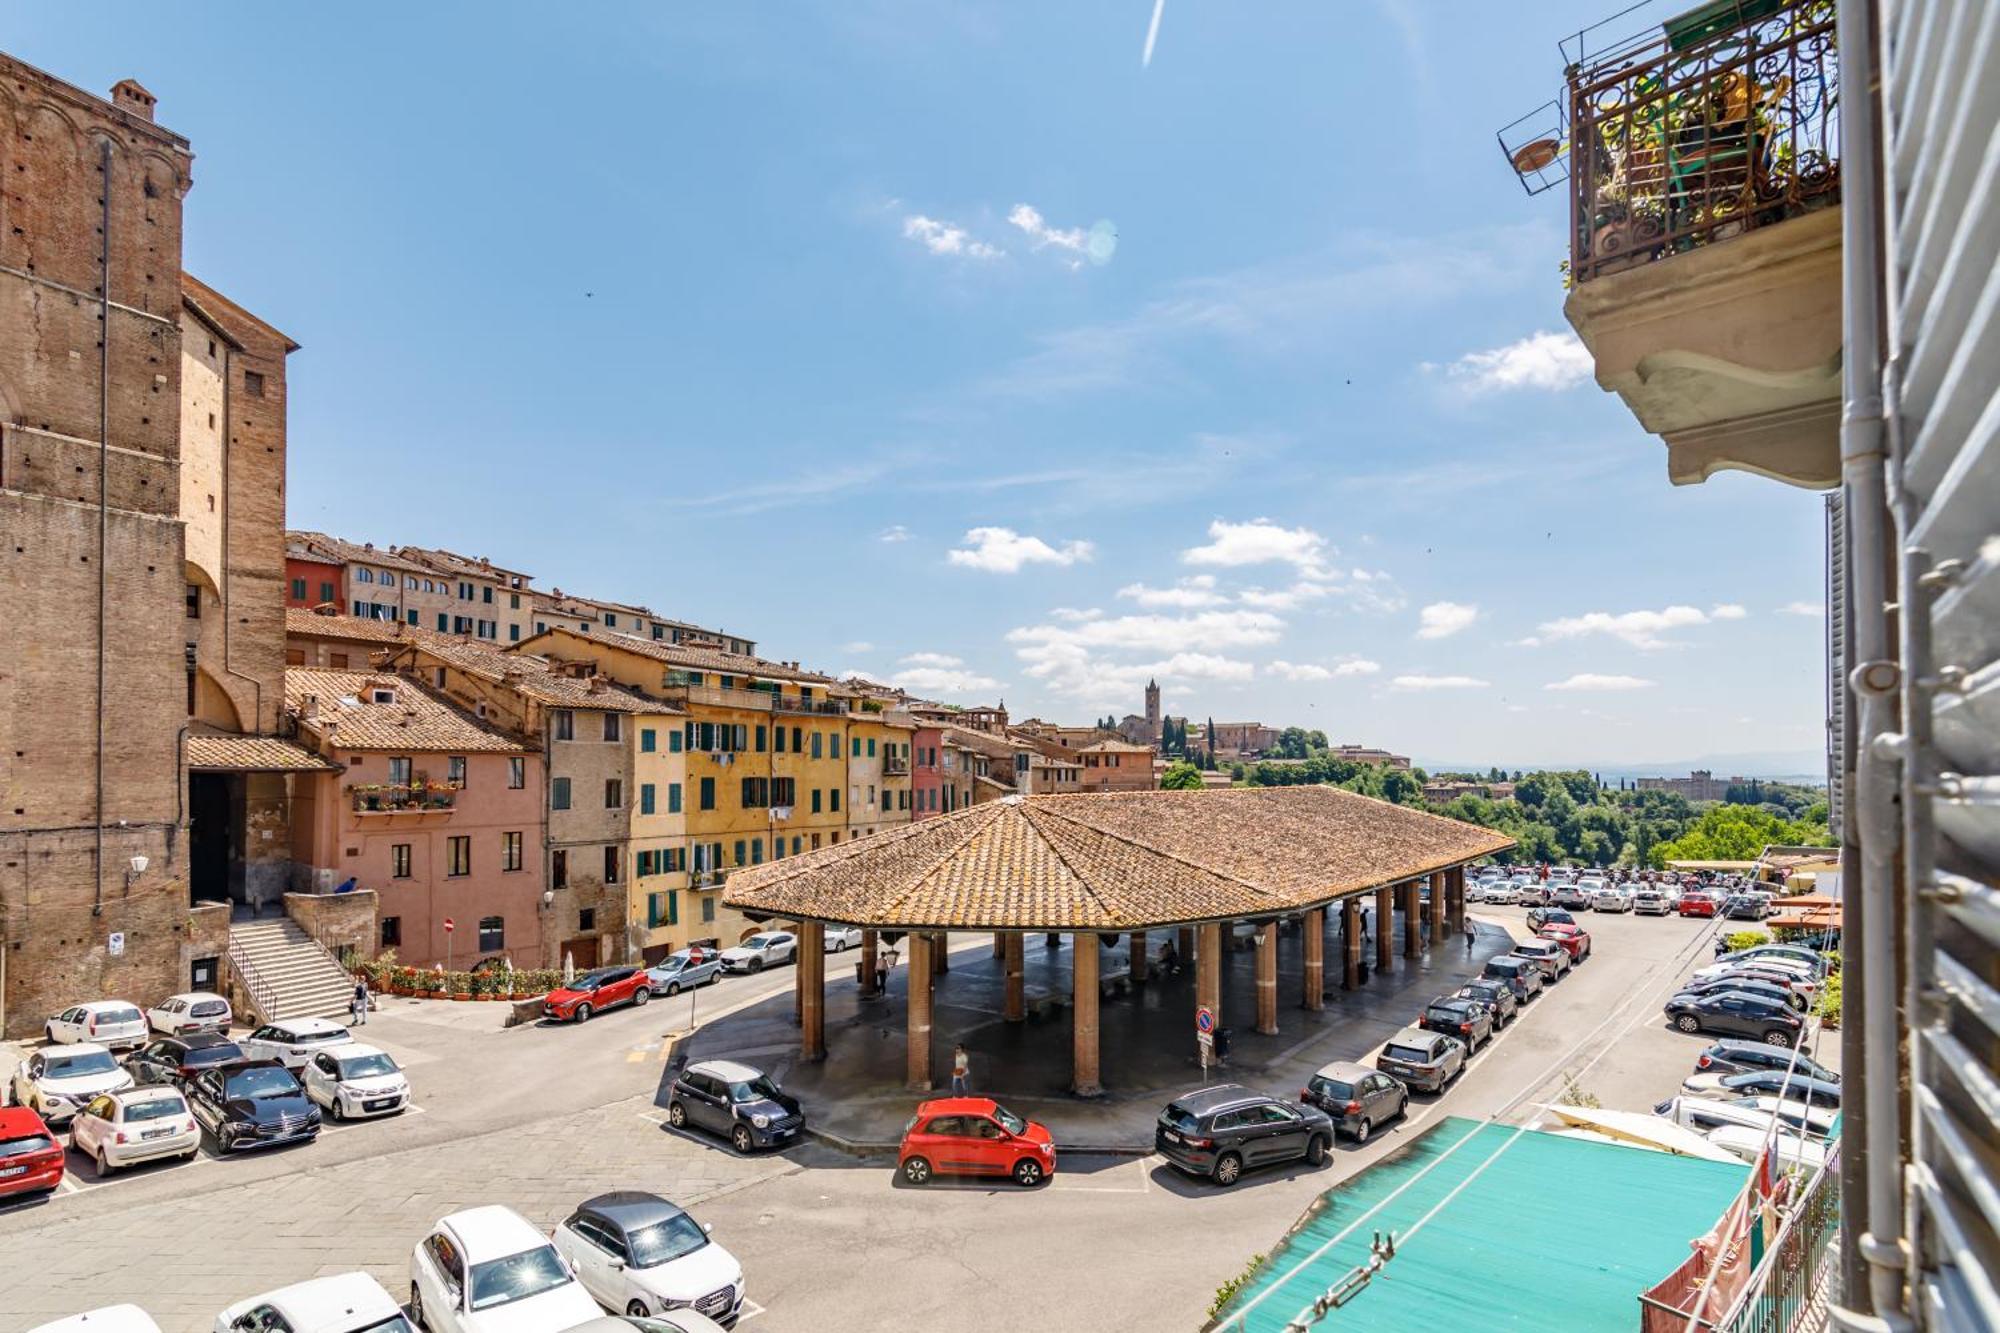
x=612, y=727
x=649, y=740
x=464, y=591
x=673, y=742
x=513, y=631
x=663, y=909
x=194, y=601
x=777, y=740
x=673, y=798
x=741, y=858
x=586, y=918
x=816, y=800
x=565, y=725
x=756, y=851
x=458, y=855
x=492, y=932
x=614, y=793
x=708, y=793
x=399, y=860
x=517, y=772
x=399, y=770
x=486, y=596
x=645, y=798
x=756, y=792
x=454, y=767
x=816, y=744
x=392, y=932
x=871, y=747
x=856, y=748
x=834, y=794
x=612, y=861
x=675, y=860
x=510, y=851
x=610, y=620
x=559, y=793
x=513, y=601
x=707, y=907
x=784, y=791
x=796, y=738
x=299, y=589
x=253, y=383
x=559, y=870
x=293, y=657
x=364, y=576
x=444, y=623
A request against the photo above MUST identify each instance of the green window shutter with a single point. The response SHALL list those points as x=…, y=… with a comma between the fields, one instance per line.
x=756, y=851
x=760, y=738
x=673, y=907
x=708, y=793
x=673, y=742
x=654, y=914
x=647, y=741
x=740, y=860
x=646, y=795
x=673, y=798
x=871, y=747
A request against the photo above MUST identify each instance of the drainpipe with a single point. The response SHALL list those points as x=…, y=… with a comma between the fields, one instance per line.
x=103, y=484
x=1874, y=675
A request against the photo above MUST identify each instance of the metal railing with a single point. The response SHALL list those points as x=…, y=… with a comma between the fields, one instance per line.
x=262, y=997
x=1790, y=1290
x=895, y=766
x=421, y=794
x=1716, y=122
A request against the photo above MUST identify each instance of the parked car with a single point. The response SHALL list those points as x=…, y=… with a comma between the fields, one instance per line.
x=56, y=1081
x=487, y=1270
x=1811, y=960
x=841, y=938
x=1573, y=938
x=1735, y=1014
x=254, y=1105
x=679, y=971
x=765, y=949
x=343, y=1303
x=1730, y=1056
x=594, y=992
x=292, y=1041
x=105, y=1319
x=191, y=1011
x=112, y=1024
x=974, y=1136
x=31, y=1161
x=1505, y=892
x=1573, y=898
x=172, y=1061
x=1468, y=1020
x=743, y=1104
x=1219, y=1132
x=1650, y=901
x=1697, y=902
x=1524, y=975
x=118, y=1129
x=634, y=1251
x=1355, y=1097
x=1706, y=1114
x=676, y=1321
x=1553, y=957
x=354, y=1081
x=1611, y=898
x=1784, y=971
x=1495, y=995
x=1769, y=990
x=1763, y=1083
x=1426, y=1061
x=1539, y=894
x=1549, y=916
x=1746, y=907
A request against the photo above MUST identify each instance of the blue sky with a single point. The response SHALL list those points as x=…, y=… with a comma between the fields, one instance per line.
x=951, y=344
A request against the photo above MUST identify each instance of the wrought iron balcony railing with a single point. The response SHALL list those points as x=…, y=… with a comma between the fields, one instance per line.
x=1718, y=121
x=405, y=796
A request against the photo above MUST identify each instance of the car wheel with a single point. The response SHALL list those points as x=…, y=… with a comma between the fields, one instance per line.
x=417, y=1307
x=644, y=994
x=224, y=1140
x=756, y=966
x=1316, y=1151
x=673, y=989
x=739, y=1139
x=1777, y=1037
x=840, y=946
x=333, y=1109
x=49, y=1033
x=1228, y=1169
x=1363, y=1130
x=677, y=1115
x=103, y=1166
x=583, y=1013
x=1688, y=1023
x=637, y=1309
x=1403, y=1107
x=917, y=1171
x=1027, y=1173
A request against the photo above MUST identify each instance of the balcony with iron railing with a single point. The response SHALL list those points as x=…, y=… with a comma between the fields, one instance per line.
x=419, y=795
x=895, y=766
x=760, y=701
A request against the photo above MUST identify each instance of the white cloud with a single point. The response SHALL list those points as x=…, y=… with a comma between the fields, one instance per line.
x=1356, y=666
x=932, y=660
x=1347, y=666
x=1191, y=592
x=1726, y=611
x=1004, y=551
x=944, y=680
x=1812, y=609
x=1539, y=361
x=1441, y=620
x=1592, y=681
x=1640, y=629
x=1086, y=659
x=1030, y=220
x=946, y=238
x=1076, y=614
x=895, y=532
x=1438, y=683
x=857, y=646
x=1260, y=541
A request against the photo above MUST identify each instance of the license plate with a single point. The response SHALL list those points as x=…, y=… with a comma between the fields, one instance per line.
x=1170, y=1136
x=379, y=1104
x=156, y=1133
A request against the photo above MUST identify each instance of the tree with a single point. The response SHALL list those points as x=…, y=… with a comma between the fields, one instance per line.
x=1182, y=776
x=1292, y=743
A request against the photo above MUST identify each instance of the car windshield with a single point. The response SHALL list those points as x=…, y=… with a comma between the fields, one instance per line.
x=214, y=1055
x=155, y=1108
x=758, y=1089
x=517, y=1277
x=666, y=1241
x=367, y=1066
x=312, y=1038
x=260, y=1083
x=394, y=1323
x=1415, y=1055
x=1331, y=1087
x=671, y=964
x=1500, y=967
x=120, y=1016
x=208, y=1009
x=1010, y=1122
x=23, y=1146
x=81, y=1064
x=590, y=981
x=760, y=942
x=1179, y=1118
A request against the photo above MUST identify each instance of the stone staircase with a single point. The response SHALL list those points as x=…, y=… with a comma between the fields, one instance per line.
x=286, y=973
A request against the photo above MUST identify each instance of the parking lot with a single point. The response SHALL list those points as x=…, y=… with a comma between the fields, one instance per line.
x=540, y=1117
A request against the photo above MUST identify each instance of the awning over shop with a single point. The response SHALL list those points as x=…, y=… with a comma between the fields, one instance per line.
x=251, y=754
x=1736, y=866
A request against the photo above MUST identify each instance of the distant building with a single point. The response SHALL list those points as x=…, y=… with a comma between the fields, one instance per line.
x=1700, y=785
x=1115, y=765
x=1362, y=754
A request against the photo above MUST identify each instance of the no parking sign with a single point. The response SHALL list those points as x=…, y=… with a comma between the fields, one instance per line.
x=1204, y=1019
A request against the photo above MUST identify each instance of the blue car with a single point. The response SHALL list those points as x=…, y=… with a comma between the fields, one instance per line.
x=678, y=971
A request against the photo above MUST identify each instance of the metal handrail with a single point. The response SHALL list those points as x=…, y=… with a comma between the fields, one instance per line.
x=261, y=995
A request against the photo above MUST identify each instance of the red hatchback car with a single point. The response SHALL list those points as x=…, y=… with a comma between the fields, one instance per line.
x=31, y=1161
x=1574, y=939
x=1697, y=902
x=594, y=992
x=974, y=1136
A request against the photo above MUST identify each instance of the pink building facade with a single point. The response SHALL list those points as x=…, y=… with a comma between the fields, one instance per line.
x=926, y=776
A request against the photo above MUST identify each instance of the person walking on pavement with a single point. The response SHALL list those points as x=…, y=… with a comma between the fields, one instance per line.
x=882, y=960
x=1468, y=937
x=360, y=1001
x=961, y=1071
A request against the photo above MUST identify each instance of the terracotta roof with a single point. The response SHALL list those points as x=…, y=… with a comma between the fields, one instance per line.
x=340, y=551
x=251, y=754
x=1121, y=747
x=417, y=720
x=1114, y=861
x=305, y=621
x=985, y=742
x=534, y=677
x=452, y=562
x=692, y=657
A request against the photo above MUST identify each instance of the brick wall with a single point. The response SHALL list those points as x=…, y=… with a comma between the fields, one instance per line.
x=343, y=922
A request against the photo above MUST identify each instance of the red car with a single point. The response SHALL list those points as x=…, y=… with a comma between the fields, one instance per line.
x=1697, y=902
x=974, y=1136
x=1574, y=939
x=594, y=992
x=31, y=1161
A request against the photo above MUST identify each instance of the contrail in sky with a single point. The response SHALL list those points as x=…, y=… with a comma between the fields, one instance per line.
x=1152, y=33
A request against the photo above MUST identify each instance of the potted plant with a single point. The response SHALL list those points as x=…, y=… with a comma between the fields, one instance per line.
x=458, y=985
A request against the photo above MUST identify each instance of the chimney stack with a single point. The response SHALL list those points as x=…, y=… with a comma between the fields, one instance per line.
x=131, y=96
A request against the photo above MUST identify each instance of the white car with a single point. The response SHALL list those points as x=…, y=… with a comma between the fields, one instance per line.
x=1507, y=891
x=56, y=1082
x=116, y=1129
x=193, y=1011
x=1611, y=898
x=344, y=1303
x=110, y=1319
x=765, y=949
x=110, y=1023
x=638, y=1253
x=839, y=938
x=1805, y=978
x=293, y=1041
x=352, y=1080
x=486, y=1270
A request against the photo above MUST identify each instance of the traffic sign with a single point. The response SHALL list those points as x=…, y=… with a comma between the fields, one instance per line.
x=449, y=925
x=1204, y=1020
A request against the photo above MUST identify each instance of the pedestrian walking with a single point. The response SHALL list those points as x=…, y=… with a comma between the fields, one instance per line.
x=1468, y=939
x=360, y=1002
x=961, y=1071
x=882, y=960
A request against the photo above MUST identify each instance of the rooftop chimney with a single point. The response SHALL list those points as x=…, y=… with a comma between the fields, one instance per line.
x=129, y=94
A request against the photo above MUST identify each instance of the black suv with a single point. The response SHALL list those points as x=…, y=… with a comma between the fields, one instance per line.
x=1468, y=1020
x=1495, y=995
x=254, y=1105
x=1741, y=1057
x=1736, y=1014
x=172, y=1061
x=1525, y=976
x=1218, y=1132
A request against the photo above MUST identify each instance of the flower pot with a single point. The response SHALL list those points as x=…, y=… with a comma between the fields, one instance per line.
x=462, y=995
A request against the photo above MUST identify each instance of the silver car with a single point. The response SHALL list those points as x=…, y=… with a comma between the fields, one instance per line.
x=1422, y=1059
x=680, y=971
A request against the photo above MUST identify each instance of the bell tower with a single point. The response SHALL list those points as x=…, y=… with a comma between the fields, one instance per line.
x=1153, y=710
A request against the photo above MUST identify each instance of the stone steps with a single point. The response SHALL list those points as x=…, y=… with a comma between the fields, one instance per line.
x=302, y=980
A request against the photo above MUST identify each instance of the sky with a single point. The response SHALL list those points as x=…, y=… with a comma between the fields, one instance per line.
x=961, y=346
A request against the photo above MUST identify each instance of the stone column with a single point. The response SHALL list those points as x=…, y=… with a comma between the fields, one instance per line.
x=811, y=968
x=1267, y=978
x=870, y=947
x=919, y=1039
x=1186, y=945
x=1138, y=956
x=1016, y=1008
x=1208, y=968
x=1350, y=943
x=1438, y=880
x=1454, y=901
x=1083, y=979
x=999, y=944
x=1312, y=990
x=1385, y=927
x=940, y=955
x=1413, y=921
